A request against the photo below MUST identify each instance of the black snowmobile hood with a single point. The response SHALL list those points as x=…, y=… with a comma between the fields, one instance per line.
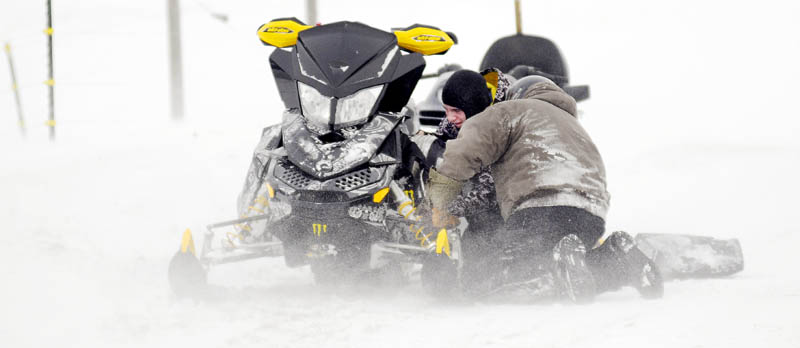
x=341, y=58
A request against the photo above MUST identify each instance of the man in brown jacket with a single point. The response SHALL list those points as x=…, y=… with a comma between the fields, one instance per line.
x=551, y=187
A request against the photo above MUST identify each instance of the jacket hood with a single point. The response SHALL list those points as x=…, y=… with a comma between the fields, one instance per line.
x=554, y=95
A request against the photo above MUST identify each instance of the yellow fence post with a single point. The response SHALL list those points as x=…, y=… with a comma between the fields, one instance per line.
x=51, y=121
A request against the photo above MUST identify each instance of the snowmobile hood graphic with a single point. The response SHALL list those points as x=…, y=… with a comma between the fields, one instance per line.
x=327, y=160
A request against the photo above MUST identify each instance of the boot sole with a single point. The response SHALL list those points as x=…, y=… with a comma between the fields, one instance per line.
x=645, y=275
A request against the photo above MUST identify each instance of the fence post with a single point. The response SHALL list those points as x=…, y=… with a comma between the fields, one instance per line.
x=175, y=59
x=311, y=11
x=51, y=121
x=15, y=87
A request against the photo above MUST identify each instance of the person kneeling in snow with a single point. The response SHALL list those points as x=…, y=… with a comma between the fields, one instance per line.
x=551, y=188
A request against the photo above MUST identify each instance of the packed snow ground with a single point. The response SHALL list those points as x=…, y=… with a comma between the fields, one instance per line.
x=694, y=112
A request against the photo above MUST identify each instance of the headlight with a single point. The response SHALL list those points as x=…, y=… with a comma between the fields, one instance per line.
x=357, y=107
x=315, y=106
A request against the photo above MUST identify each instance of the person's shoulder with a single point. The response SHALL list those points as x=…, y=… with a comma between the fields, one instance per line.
x=508, y=109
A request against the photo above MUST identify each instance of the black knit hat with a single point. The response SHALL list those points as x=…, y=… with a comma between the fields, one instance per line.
x=467, y=90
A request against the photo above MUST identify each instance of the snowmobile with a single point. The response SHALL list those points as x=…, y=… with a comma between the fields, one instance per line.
x=336, y=184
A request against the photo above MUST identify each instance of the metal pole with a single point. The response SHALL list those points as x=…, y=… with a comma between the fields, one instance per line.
x=519, y=16
x=175, y=59
x=311, y=11
x=51, y=121
x=15, y=87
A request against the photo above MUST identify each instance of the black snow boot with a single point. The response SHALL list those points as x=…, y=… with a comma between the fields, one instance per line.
x=572, y=276
x=619, y=262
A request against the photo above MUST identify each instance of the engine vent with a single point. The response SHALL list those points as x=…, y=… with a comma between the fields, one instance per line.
x=354, y=180
x=294, y=176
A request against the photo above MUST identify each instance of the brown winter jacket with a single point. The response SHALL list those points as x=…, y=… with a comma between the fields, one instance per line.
x=539, y=153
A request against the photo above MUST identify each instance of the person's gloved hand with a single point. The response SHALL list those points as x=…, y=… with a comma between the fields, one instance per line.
x=442, y=190
x=442, y=219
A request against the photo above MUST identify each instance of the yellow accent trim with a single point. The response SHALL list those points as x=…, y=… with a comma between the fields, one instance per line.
x=417, y=233
x=187, y=243
x=255, y=209
x=50, y=123
x=281, y=33
x=403, y=205
x=270, y=190
x=49, y=31
x=319, y=229
x=410, y=194
x=442, y=243
x=229, y=236
x=424, y=40
x=492, y=80
x=425, y=240
x=14, y=86
x=380, y=195
x=491, y=77
x=8, y=47
x=601, y=240
x=261, y=200
x=50, y=82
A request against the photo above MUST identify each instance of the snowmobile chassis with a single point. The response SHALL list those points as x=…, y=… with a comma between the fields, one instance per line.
x=188, y=269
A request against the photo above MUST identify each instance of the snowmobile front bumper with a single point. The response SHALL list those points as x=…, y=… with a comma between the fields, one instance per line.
x=231, y=248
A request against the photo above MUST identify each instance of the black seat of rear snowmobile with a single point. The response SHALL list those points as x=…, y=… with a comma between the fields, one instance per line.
x=539, y=52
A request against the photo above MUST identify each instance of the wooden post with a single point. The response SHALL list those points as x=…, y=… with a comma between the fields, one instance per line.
x=518, y=13
x=311, y=11
x=51, y=121
x=175, y=59
x=15, y=87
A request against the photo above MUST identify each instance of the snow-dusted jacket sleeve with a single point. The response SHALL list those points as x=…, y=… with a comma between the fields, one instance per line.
x=478, y=196
x=482, y=140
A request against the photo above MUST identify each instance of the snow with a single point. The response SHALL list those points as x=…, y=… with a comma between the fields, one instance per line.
x=693, y=108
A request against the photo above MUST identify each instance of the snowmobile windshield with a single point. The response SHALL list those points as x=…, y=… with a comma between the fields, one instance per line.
x=355, y=108
x=326, y=111
x=342, y=70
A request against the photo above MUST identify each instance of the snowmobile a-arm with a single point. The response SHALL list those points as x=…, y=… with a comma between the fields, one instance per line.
x=210, y=256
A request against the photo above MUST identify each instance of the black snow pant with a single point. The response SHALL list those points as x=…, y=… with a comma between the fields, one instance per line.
x=526, y=242
x=540, y=228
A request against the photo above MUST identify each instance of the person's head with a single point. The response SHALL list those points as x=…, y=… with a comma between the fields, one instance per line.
x=518, y=89
x=464, y=95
